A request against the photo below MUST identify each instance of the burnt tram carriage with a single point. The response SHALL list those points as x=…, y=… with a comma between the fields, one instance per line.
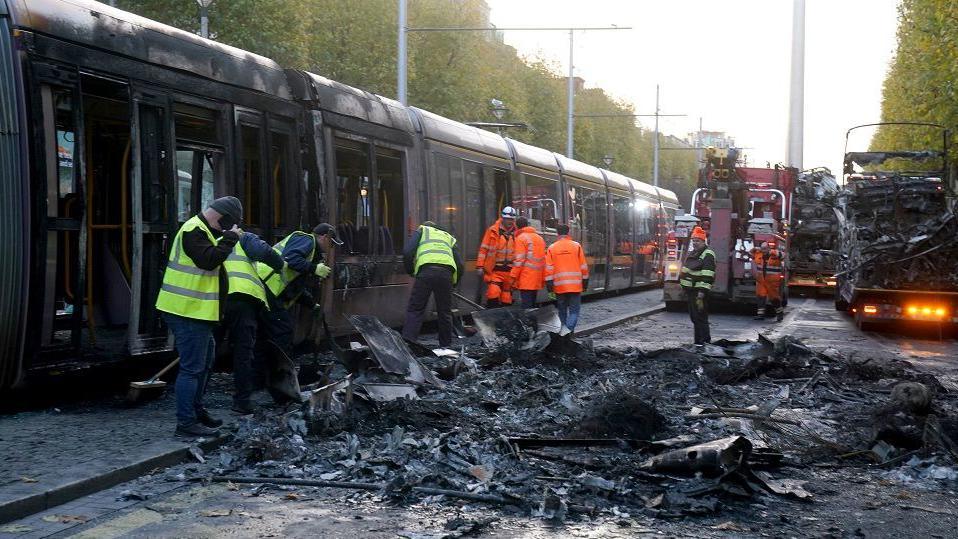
x=115, y=129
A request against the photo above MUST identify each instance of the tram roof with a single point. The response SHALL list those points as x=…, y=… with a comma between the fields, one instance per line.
x=617, y=180
x=346, y=100
x=98, y=25
x=580, y=170
x=527, y=154
x=668, y=197
x=451, y=132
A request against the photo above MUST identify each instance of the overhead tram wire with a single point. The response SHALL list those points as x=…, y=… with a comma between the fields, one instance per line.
x=401, y=85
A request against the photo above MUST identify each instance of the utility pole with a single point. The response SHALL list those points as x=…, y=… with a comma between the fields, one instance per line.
x=655, y=144
x=402, y=58
x=204, y=17
x=570, y=104
x=401, y=61
x=796, y=101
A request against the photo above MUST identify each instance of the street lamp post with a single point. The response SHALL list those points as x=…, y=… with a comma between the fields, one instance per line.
x=204, y=17
x=402, y=74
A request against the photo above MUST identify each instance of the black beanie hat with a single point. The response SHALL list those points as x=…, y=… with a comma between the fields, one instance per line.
x=229, y=206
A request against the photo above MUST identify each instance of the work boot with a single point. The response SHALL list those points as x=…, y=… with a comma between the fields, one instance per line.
x=760, y=309
x=196, y=430
x=779, y=315
x=206, y=419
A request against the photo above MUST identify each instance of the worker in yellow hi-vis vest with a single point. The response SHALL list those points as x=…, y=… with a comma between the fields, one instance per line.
x=304, y=256
x=190, y=300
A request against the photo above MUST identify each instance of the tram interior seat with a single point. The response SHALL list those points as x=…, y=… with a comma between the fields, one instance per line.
x=385, y=241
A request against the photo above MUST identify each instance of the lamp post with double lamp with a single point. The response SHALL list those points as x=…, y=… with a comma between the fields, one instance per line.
x=499, y=110
x=204, y=17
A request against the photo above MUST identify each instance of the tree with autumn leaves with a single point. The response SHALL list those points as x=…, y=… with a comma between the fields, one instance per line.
x=922, y=83
x=454, y=74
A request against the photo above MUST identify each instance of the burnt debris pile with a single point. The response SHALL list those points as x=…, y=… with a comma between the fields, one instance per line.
x=563, y=428
x=813, y=242
x=899, y=230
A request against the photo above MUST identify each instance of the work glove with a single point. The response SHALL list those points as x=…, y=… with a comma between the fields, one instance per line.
x=552, y=295
x=700, y=304
x=322, y=270
x=585, y=284
x=480, y=272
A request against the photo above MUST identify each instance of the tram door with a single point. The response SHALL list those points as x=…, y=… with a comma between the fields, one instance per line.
x=153, y=217
x=63, y=274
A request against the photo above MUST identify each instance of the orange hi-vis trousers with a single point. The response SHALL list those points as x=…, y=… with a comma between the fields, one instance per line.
x=499, y=286
x=769, y=286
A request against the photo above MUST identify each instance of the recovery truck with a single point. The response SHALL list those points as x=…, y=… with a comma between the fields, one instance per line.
x=740, y=208
x=899, y=233
x=813, y=241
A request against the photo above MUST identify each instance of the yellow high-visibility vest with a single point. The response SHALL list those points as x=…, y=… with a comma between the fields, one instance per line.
x=242, y=277
x=187, y=290
x=277, y=281
x=435, y=247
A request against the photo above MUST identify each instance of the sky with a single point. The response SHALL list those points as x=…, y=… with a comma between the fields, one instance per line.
x=727, y=63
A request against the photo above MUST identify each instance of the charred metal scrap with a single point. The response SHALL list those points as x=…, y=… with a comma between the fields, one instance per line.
x=813, y=243
x=556, y=432
x=897, y=231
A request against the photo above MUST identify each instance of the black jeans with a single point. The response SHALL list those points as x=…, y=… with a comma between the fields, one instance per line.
x=528, y=298
x=242, y=314
x=276, y=325
x=436, y=280
x=700, y=317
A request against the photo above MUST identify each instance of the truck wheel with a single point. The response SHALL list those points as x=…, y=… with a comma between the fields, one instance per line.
x=862, y=324
x=675, y=306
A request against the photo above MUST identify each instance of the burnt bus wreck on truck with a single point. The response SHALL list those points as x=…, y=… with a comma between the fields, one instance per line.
x=115, y=129
x=899, y=234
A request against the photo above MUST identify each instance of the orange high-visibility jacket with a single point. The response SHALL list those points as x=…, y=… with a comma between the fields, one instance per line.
x=495, y=249
x=565, y=266
x=529, y=264
x=761, y=265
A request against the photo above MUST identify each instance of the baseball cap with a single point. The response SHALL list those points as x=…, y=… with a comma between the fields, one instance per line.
x=326, y=229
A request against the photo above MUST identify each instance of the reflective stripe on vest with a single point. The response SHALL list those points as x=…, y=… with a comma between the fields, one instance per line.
x=241, y=275
x=187, y=290
x=693, y=278
x=435, y=247
x=277, y=281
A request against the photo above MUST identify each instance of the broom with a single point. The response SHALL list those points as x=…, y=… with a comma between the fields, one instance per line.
x=153, y=386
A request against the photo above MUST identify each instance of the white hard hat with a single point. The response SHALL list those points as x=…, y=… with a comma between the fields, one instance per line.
x=509, y=213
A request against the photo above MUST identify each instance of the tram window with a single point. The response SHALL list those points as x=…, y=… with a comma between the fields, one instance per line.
x=575, y=201
x=66, y=141
x=644, y=221
x=472, y=235
x=196, y=124
x=285, y=201
x=441, y=204
x=622, y=225
x=251, y=174
x=354, y=195
x=456, y=209
x=542, y=201
x=596, y=223
x=389, y=210
x=196, y=172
